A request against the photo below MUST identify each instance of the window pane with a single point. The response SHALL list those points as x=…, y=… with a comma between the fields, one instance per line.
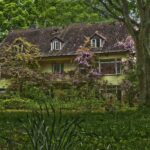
x=62, y=68
x=92, y=43
x=108, y=68
x=57, y=46
x=58, y=68
x=118, y=67
x=98, y=42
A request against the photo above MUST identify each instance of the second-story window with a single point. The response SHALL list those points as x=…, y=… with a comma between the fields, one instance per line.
x=96, y=42
x=110, y=67
x=56, y=45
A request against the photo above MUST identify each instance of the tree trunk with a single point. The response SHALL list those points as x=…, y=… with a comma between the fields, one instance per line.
x=147, y=80
x=143, y=67
x=140, y=69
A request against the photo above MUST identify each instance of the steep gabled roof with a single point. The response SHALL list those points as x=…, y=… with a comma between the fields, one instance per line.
x=73, y=37
x=99, y=35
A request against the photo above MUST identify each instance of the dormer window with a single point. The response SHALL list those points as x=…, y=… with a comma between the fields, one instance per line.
x=97, y=41
x=56, y=44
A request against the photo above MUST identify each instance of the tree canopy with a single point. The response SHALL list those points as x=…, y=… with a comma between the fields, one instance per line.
x=22, y=14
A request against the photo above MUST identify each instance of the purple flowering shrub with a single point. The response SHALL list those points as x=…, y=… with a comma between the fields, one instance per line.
x=127, y=44
x=86, y=61
x=130, y=85
x=86, y=76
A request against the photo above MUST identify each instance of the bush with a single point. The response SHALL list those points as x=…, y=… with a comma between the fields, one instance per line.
x=34, y=93
x=4, y=96
x=17, y=103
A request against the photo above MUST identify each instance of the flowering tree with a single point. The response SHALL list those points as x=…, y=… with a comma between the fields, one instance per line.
x=86, y=63
x=19, y=62
x=130, y=85
x=87, y=73
x=127, y=44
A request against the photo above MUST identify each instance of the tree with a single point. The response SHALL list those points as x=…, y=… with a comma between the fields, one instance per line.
x=87, y=66
x=19, y=62
x=22, y=14
x=135, y=14
x=16, y=15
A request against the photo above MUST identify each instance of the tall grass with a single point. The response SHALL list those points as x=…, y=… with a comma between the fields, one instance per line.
x=51, y=132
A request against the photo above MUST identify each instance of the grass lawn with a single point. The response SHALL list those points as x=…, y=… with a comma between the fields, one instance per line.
x=128, y=130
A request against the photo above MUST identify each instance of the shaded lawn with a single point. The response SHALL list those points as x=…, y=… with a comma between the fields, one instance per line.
x=127, y=130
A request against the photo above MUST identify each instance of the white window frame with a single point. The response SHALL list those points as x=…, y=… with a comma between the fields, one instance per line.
x=94, y=43
x=56, y=45
x=100, y=42
x=113, y=62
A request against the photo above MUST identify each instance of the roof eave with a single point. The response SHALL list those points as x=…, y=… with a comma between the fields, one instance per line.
x=100, y=52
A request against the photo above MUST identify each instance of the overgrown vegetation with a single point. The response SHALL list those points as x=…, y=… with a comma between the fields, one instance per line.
x=119, y=130
x=23, y=14
x=19, y=63
x=105, y=123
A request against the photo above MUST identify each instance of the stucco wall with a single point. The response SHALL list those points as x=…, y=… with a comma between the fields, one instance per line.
x=114, y=79
x=4, y=83
x=46, y=66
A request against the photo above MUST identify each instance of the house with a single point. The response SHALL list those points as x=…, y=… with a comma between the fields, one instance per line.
x=59, y=45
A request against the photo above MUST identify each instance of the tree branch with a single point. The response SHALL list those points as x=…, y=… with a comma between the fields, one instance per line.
x=114, y=15
x=141, y=9
x=115, y=6
x=128, y=20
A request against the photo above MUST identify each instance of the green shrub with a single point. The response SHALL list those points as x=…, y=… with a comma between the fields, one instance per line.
x=17, y=103
x=4, y=96
x=34, y=93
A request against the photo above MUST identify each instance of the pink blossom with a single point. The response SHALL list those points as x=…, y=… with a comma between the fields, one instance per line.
x=127, y=44
x=95, y=73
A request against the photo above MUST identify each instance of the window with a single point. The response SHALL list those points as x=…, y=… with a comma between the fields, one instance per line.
x=110, y=67
x=56, y=45
x=96, y=42
x=58, y=68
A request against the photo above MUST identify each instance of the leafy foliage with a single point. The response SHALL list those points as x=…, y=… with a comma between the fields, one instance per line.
x=22, y=14
x=130, y=86
x=119, y=130
x=54, y=134
x=19, y=62
x=17, y=103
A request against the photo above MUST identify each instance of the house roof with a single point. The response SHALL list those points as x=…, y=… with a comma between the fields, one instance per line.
x=99, y=35
x=73, y=37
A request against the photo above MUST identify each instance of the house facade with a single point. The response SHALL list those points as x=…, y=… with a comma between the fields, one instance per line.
x=59, y=47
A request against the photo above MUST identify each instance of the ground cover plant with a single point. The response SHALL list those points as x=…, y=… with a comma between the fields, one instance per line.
x=126, y=130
